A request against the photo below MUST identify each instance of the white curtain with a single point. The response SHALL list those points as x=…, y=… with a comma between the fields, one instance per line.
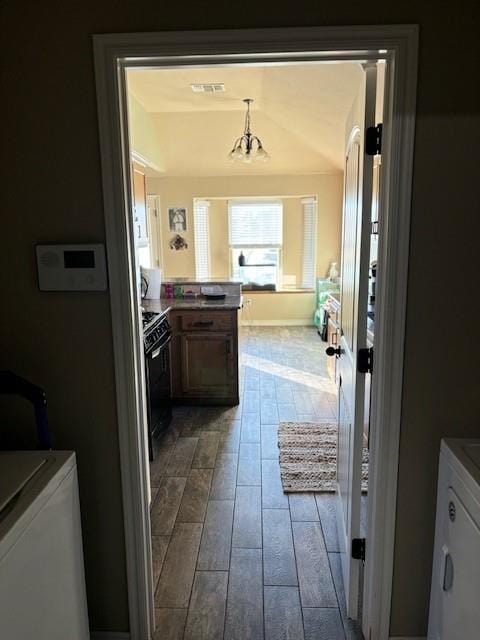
x=255, y=223
x=202, y=246
x=309, y=242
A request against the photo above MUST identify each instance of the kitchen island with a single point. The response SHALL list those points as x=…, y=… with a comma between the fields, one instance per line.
x=204, y=348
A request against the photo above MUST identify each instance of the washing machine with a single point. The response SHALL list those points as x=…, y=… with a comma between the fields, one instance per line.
x=42, y=582
x=455, y=590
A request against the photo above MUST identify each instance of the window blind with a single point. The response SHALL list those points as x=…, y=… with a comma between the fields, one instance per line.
x=255, y=224
x=202, y=248
x=309, y=242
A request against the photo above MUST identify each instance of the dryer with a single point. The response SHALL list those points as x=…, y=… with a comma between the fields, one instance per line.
x=42, y=582
x=455, y=590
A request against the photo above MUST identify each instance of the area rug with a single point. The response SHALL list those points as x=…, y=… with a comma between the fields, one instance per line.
x=308, y=457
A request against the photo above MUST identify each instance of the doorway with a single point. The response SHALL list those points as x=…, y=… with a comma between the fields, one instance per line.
x=163, y=49
x=283, y=248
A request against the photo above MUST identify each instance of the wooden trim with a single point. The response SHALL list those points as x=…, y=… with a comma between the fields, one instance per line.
x=115, y=52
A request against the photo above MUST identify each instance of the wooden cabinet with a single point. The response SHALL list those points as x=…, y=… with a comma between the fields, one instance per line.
x=205, y=357
x=207, y=321
x=207, y=364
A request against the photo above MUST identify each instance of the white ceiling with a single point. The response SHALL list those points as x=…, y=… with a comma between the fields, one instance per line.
x=299, y=113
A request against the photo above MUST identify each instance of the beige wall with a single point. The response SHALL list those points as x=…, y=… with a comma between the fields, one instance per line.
x=179, y=132
x=180, y=192
x=175, y=263
x=63, y=341
x=143, y=134
x=284, y=307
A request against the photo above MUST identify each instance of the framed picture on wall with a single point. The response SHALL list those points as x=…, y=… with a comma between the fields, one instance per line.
x=177, y=217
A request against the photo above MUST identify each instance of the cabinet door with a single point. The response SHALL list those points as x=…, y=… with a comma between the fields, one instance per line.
x=207, y=364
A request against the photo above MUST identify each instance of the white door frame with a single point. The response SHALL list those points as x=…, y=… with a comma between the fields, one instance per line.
x=115, y=52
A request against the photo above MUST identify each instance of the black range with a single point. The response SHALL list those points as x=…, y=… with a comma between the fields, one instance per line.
x=157, y=335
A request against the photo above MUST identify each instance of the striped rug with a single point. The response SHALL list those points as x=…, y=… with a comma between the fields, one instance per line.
x=308, y=457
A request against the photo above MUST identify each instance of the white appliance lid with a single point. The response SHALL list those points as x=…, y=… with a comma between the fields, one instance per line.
x=16, y=470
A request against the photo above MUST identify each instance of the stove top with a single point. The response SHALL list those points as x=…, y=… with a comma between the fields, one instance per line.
x=155, y=328
x=148, y=317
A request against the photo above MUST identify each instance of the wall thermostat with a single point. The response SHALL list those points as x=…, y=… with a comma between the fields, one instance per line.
x=71, y=267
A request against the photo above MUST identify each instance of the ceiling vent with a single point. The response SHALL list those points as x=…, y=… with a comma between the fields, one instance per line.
x=216, y=87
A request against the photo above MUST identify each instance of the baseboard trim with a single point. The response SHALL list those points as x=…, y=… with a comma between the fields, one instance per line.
x=307, y=322
x=408, y=638
x=109, y=635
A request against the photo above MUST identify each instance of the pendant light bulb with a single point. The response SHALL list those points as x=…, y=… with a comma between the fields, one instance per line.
x=262, y=155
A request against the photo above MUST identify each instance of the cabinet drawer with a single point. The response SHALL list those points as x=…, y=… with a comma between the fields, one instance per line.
x=205, y=321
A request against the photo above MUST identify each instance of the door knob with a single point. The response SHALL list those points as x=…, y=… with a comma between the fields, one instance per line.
x=331, y=351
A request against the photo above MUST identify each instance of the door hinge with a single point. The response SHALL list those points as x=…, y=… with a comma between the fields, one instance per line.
x=358, y=548
x=373, y=140
x=365, y=360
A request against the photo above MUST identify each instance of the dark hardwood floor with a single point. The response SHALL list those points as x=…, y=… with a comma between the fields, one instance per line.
x=234, y=557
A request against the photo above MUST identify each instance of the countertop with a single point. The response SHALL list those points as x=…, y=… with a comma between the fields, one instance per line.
x=200, y=303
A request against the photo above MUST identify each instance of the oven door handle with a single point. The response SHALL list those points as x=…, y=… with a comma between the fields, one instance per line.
x=156, y=352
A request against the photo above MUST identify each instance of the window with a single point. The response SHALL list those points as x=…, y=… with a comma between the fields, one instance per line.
x=202, y=248
x=309, y=242
x=256, y=232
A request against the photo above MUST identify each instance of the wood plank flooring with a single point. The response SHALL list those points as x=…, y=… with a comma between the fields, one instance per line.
x=234, y=557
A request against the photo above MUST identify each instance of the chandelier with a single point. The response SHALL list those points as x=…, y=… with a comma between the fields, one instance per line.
x=248, y=147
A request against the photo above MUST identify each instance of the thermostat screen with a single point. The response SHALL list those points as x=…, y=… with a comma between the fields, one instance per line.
x=79, y=259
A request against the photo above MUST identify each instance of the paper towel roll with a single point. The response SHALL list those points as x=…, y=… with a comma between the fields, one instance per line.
x=153, y=278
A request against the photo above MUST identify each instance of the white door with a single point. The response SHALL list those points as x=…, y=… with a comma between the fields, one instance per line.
x=353, y=324
x=154, y=232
